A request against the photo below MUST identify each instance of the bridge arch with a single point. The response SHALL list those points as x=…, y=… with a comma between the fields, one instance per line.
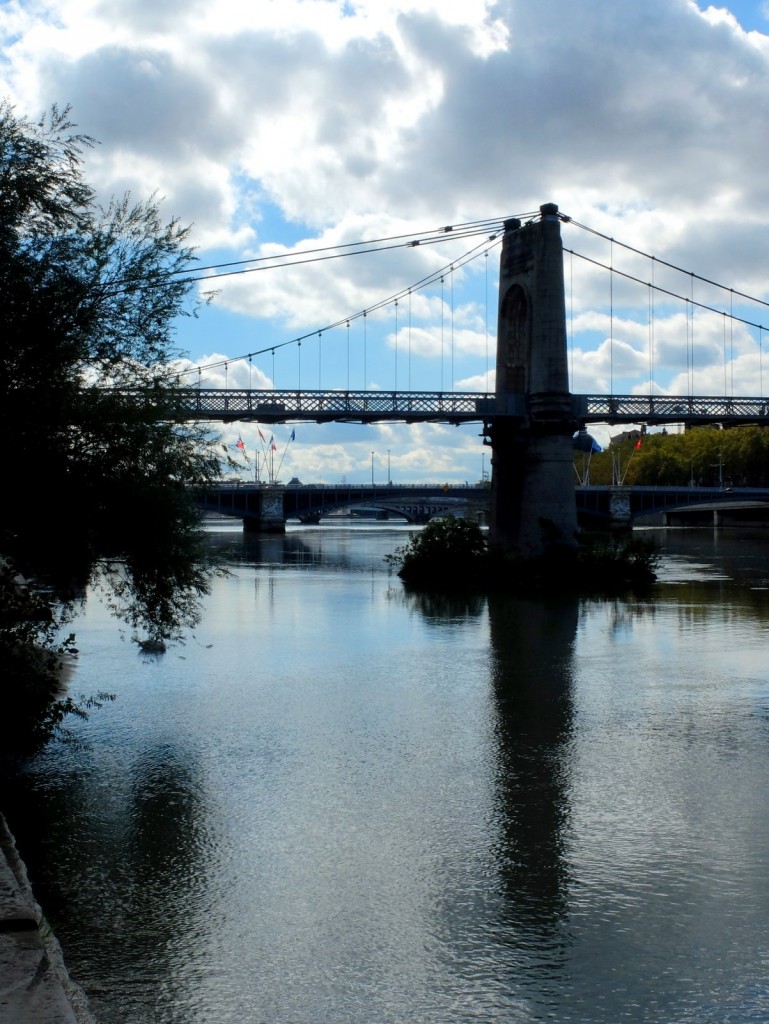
x=667, y=506
x=268, y=508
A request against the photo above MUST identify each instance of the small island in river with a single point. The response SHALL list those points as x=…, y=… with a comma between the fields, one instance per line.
x=453, y=553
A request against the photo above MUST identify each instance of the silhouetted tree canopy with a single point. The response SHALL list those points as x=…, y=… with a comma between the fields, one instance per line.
x=97, y=464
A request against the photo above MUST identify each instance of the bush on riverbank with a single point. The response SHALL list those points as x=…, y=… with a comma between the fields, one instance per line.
x=452, y=553
x=35, y=670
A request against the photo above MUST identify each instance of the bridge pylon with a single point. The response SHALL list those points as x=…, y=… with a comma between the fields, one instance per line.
x=533, y=509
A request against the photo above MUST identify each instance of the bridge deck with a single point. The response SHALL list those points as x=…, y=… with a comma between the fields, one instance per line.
x=461, y=407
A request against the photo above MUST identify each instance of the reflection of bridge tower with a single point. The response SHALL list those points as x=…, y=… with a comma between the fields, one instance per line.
x=532, y=487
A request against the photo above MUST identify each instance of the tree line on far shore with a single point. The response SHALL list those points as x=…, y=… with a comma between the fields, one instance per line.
x=700, y=457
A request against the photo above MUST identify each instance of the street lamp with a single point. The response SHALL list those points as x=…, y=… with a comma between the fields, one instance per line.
x=720, y=466
x=372, y=469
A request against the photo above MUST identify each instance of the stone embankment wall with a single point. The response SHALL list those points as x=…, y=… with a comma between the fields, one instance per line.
x=34, y=985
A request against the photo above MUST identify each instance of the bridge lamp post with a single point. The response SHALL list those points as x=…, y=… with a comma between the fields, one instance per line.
x=372, y=469
x=720, y=467
x=388, y=468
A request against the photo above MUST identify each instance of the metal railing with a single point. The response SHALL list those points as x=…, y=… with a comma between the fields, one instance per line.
x=460, y=407
x=351, y=406
x=669, y=409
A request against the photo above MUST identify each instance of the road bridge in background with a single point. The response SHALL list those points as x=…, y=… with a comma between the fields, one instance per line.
x=267, y=508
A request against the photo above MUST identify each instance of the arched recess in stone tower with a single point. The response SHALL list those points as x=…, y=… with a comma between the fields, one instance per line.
x=515, y=345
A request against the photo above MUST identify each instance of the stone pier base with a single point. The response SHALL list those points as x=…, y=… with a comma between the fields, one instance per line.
x=271, y=517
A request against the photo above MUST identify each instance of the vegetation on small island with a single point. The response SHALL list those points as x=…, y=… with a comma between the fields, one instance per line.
x=452, y=553
x=97, y=461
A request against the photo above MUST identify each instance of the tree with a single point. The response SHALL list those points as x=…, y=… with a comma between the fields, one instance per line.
x=98, y=463
x=448, y=550
x=706, y=455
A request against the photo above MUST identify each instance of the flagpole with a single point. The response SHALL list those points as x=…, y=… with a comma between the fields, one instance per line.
x=292, y=437
x=264, y=452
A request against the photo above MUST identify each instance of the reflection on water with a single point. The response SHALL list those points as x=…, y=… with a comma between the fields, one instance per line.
x=532, y=679
x=346, y=801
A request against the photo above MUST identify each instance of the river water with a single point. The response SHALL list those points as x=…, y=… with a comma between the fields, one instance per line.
x=341, y=803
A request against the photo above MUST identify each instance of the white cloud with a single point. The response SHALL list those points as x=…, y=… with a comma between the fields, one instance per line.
x=306, y=123
x=428, y=453
x=421, y=106
x=223, y=372
x=417, y=109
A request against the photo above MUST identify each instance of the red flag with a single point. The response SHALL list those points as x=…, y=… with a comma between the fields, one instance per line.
x=264, y=439
x=638, y=444
x=240, y=443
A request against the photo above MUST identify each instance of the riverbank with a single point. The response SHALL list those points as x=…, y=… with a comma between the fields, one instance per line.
x=35, y=987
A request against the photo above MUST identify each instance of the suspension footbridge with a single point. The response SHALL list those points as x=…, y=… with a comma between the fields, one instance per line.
x=530, y=414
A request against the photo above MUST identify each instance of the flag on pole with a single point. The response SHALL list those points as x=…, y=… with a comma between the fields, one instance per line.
x=262, y=436
x=293, y=436
x=273, y=446
x=240, y=444
x=638, y=444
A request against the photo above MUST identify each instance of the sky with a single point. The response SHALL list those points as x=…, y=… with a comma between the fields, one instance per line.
x=283, y=126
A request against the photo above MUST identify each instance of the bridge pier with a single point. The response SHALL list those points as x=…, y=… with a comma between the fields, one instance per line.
x=620, y=512
x=260, y=508
x=533, y=509
x=267, y=514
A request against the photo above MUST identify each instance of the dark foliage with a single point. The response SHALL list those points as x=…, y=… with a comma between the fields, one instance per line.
x=451, y=555
x=446, y=551
x=98, y=465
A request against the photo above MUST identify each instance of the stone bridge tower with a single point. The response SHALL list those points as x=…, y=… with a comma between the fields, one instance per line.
x=533, y=508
